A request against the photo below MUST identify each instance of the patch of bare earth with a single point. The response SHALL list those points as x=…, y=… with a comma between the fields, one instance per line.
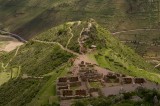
x=10, y=45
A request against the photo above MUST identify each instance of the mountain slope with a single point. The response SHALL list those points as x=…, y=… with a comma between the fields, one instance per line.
x=48, y=56
x=115, y=15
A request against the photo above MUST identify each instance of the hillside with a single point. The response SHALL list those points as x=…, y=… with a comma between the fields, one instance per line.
x=34, y=67
x=28, y=18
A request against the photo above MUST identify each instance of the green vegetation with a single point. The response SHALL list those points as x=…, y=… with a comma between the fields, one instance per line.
x=29, y=17
x=48, y=56
x=6, y=76
x=49, y=89
x=95, y=84
x=20, y=91
x=117, y=57
x=35, y=59
x=126, y=99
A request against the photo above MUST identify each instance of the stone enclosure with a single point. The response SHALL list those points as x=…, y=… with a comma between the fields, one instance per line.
x=78, y=84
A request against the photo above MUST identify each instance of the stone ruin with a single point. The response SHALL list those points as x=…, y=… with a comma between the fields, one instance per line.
x=88, y=73
x=73, y=94
x=71, y=81
x=139, y=80
x=111, y=78
x=81, y=93
x=83, y=67
x=94, y=92
x=64, y=90
x=127, y=80
x=91, y=75
x=64, y=83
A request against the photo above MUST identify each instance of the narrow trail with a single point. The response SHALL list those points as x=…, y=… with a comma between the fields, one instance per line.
x=65, y=49
x=5, y=66
x=157, y=65
x=114, y=33
x=70, y=31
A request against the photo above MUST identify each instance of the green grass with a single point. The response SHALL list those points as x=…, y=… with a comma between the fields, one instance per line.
x=95, y=84
x=49, y=60
x=6, y=76
x=20, y=91
x=38, y=16
x=120, y=58
x=34, y=52
x=20, y=16
x=49, y=89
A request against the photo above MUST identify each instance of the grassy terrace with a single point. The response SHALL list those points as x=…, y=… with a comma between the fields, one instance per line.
x=49, y=89
x=117, y=57
x=95, y=84
x=20, y=91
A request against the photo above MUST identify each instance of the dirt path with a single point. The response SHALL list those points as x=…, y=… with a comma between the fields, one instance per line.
x=157, y=65
x=114, y=33
x=5, y=66
x=70, y=31
x=65, y=49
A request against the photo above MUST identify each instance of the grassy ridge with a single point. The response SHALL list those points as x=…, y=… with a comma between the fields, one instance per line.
x=120, y=58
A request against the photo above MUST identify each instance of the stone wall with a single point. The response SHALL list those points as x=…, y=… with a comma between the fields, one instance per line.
x=127, y=80
x=139, y=80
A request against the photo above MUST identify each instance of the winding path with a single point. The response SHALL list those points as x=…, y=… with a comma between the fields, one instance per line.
x=114, y=33
x=70, y=31
x=5, y=66
x=65, y=49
